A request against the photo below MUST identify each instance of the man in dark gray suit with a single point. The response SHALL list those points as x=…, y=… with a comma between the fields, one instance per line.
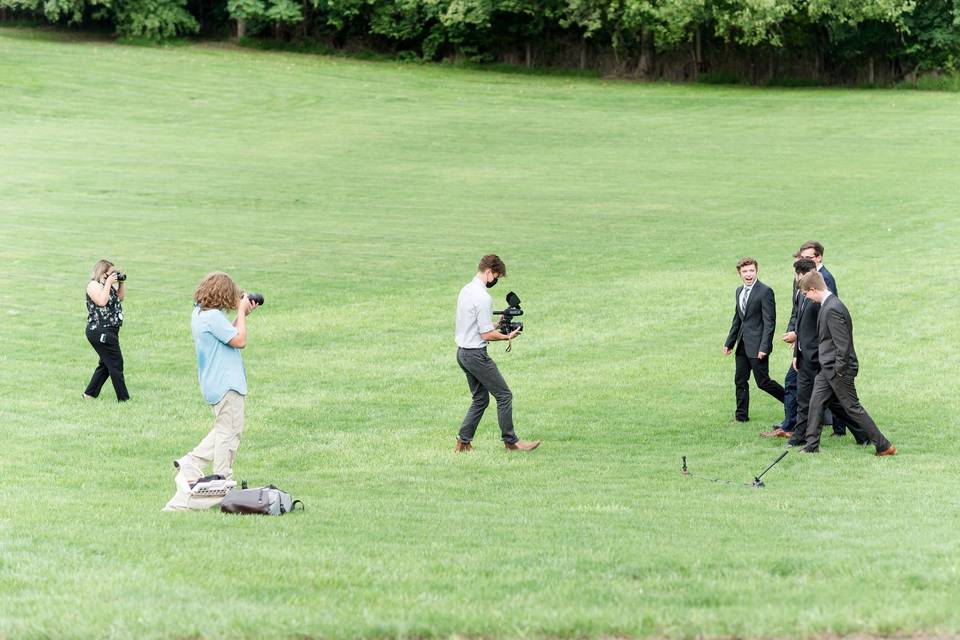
x=751, y=332
x=834, y=384
x=813, y=250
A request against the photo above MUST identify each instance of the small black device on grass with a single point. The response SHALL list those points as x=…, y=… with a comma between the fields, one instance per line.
x=757, y=481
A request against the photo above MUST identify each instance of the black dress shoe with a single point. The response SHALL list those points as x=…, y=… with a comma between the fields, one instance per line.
x=805, y=450
x=838, y=434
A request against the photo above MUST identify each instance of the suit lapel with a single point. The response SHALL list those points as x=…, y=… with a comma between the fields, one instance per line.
x=823, y=307
x=753, y=295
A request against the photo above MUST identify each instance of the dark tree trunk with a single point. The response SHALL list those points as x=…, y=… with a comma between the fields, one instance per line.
x=528, y=54
x=698, y=53
x=241, y=28
x=583, y=53
x=645, y=67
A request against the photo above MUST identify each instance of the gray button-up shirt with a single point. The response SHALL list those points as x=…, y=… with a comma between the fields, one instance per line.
x=474, y=314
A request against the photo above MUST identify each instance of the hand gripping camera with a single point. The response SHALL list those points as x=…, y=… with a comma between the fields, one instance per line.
x=507, y=325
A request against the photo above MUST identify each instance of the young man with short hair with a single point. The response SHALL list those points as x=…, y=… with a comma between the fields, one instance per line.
x=474, y=329
x=813, y=250
x=834, y=384
x=751, y=332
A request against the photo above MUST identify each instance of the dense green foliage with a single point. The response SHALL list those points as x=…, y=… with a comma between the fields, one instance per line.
x=836, y=39
x=357, y=197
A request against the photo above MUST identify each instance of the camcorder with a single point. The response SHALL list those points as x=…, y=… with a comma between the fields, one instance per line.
x=507, y=325
x=255, y=297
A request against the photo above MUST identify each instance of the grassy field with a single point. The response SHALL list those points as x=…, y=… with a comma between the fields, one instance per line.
x=358, y=197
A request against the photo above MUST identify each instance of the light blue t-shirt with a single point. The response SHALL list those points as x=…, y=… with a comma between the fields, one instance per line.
x=219, y=366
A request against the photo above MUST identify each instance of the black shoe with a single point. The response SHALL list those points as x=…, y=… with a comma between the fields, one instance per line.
x=838, y=434
x=805, y=450
x=794, y=443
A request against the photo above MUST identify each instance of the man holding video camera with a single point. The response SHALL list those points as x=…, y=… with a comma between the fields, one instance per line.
x=474, y=329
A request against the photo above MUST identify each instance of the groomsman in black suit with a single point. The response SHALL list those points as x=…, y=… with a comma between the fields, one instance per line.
x=834, y=384
x=806, y=361
x=754, y=320
x=784, y=429
x=813, y=250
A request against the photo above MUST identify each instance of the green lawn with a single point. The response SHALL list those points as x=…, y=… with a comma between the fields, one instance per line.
x=358, y=197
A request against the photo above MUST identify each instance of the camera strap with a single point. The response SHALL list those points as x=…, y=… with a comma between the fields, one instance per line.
x=509, y=345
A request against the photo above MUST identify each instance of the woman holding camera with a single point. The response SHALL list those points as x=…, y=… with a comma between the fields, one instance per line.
x=105, y=293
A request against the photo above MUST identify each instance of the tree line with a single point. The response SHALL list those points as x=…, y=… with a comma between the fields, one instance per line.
x=873, y=41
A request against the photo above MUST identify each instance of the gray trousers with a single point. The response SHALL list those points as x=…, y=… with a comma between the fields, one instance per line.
x=840, y=395
x=484, y=378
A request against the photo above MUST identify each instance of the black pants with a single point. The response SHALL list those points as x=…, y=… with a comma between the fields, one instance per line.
x=839, y=424
x=761, y=374
x=806, y=374
x=106, y=342
x=840, y=394
x=484, y=378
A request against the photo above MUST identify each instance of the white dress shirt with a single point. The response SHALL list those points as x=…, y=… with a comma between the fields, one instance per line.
x=474, y=314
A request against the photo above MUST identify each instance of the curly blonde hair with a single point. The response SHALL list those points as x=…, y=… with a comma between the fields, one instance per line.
x=217, y=291
x=100, y=269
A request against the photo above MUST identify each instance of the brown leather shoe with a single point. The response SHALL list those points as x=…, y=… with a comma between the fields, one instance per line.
x=776, y=433
x=521, y=445
x=463, y=447
x=889, y=451
x=785, y=434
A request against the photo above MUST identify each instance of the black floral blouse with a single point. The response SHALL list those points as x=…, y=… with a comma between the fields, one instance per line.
x=108, y=316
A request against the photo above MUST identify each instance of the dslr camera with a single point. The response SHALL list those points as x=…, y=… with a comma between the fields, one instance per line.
x=507, y=325
x=121, y=276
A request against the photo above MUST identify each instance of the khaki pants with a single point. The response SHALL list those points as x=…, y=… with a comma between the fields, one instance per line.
x=221, y=444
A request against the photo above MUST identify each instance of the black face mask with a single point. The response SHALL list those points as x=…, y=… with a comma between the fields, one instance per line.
x=490, y=284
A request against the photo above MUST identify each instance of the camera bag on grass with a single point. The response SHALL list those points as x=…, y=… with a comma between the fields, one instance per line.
x=267, y=501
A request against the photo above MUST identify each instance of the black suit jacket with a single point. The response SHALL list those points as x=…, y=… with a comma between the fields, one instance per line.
x=835, y=329
x=808, y=337
x=829, y=279
x=798, y=298
x=755, y=326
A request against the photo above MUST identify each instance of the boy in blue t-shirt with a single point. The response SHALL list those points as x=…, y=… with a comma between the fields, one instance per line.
x=223, y=381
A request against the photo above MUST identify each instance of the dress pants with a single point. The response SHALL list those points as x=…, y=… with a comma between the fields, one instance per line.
x=761, y=374
x=840, y=394
x=806, y=374
x=483, y=378
x=839, y=424
x=106, y=342
x=790, y=401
